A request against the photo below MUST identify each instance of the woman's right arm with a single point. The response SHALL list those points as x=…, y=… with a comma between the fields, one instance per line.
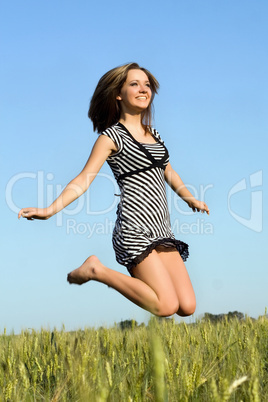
x=102, y=148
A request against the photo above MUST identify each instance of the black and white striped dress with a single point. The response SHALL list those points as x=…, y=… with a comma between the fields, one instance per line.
x=143, y=220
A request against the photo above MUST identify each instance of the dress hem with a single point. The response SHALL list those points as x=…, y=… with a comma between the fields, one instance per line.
x=180, y=246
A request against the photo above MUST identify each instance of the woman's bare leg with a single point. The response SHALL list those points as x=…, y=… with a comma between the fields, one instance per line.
x=180, y=279
x=151, y=289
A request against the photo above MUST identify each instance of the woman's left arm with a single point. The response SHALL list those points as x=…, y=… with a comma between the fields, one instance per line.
x=177, y=185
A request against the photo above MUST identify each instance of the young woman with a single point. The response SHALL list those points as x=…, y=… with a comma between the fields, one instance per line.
x=120, y=110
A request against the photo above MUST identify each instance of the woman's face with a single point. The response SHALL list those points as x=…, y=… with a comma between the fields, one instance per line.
x=135, y=95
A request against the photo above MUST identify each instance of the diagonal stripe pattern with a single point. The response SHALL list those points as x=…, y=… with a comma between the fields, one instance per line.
x=143, y=220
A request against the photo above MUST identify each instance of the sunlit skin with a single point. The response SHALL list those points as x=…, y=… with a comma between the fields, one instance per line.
x=135, y=95
x=161, y=283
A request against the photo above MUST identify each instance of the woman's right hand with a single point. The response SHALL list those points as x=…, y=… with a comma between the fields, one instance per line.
x=34, y=213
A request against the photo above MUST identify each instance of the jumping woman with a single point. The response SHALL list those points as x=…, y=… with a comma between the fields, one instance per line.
x=121, y=112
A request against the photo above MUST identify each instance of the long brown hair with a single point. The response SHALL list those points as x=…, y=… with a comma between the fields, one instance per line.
x=104, y=109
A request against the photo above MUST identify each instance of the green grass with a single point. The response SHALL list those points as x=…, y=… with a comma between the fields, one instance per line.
x=163, y=361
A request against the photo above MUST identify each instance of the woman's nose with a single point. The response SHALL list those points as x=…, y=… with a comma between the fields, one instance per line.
x=143, y=88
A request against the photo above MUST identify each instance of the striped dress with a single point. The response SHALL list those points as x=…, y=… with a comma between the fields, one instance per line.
x=143, y=220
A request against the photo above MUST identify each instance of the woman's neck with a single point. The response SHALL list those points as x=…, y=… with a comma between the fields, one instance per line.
x=132, y=121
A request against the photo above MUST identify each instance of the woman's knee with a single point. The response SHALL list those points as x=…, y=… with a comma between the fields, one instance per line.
x=167, y=309
x=187, y=308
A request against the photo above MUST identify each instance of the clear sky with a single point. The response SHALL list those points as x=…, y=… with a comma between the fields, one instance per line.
x=211, y=60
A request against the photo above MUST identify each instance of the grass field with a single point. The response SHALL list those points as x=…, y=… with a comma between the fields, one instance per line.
x=163, y=361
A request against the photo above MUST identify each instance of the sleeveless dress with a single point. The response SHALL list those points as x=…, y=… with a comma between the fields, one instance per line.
x=143, y=220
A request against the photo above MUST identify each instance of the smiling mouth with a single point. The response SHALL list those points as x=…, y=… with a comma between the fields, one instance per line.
x=141, y=97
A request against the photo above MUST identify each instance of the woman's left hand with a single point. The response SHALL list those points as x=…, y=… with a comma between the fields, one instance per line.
x=198, y=206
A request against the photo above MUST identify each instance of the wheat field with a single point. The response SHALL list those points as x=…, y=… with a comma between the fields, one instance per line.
x=162, y=361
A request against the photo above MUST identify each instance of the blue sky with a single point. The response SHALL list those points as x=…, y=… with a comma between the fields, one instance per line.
x=211, y=61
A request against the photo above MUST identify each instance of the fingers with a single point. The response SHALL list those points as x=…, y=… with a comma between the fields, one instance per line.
x=25, y=213
x=33, y=213
x=21, y=214
x=203, y=208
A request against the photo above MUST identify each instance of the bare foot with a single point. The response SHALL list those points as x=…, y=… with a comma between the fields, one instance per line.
x=86, y=272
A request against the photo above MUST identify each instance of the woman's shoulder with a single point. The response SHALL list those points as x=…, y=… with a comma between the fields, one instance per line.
x=156, y=134
x=116, y=128
x=113, y=133
x=113, y=127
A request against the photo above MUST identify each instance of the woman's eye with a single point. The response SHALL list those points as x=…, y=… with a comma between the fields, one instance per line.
x=148, y=85
x=133, y=83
